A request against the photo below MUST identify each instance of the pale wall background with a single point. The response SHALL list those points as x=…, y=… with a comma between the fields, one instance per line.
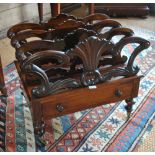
x=11, y=14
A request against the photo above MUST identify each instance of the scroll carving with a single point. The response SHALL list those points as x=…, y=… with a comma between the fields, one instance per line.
x=48, y=87
x=73, y=52
x=143, y=44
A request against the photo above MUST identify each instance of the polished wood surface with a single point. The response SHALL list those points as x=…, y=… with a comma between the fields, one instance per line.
x=56, y=9
x=74, y=63
x=91, y=8
x=84, y=98
x=123, y=9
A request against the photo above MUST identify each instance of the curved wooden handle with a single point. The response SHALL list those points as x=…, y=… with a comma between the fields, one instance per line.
x=143, y=44
x=105, y=23
x=18, y=38
x=39, y=56
x=36, y=46
x=21, y=27
x=117, y=31
x=93, y=17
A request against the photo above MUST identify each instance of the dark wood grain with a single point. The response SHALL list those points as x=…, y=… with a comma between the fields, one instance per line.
x=40, y=11
x=123, y=9
x=73, y=55
x=91, y=8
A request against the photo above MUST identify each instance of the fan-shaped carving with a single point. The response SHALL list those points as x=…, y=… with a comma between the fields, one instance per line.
x=90, y=52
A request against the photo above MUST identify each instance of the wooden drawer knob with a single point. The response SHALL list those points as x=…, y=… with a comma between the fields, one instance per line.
x=59, y=107
x=118, y=93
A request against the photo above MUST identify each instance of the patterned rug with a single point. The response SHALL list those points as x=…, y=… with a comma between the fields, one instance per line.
x=101, y=129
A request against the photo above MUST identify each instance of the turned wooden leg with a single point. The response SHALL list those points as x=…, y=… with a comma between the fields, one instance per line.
x=55, y=9
x=40, y=11
x=38, y=122
x=129, y=106
x=51, y=6
x=91, y=8
x=39, y=128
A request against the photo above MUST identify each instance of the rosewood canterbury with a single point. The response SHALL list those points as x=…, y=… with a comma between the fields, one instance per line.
x=70, y=64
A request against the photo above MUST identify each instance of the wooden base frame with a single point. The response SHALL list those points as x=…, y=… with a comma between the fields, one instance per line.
x=83, y=98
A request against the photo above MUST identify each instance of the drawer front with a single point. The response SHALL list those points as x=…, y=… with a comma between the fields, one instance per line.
x=80, y=99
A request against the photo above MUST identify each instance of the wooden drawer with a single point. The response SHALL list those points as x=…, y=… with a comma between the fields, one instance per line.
x=84, y=98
